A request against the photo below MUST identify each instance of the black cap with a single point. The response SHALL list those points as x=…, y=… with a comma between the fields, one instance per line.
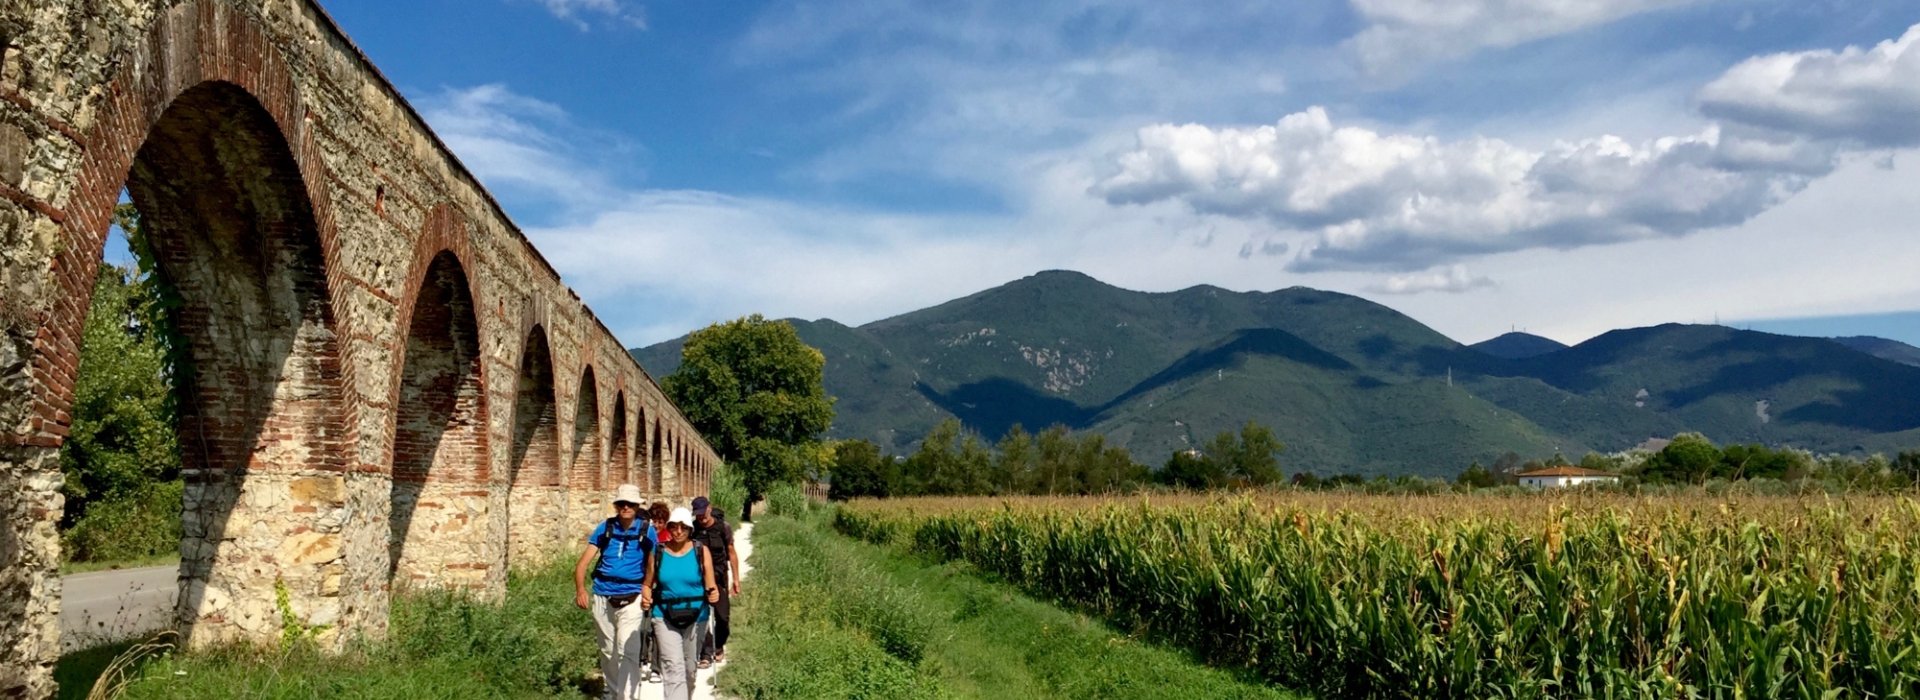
x=700, y=505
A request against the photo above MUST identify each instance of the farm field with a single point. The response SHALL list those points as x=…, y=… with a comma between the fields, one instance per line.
x=1576, y=595
x=829, y=617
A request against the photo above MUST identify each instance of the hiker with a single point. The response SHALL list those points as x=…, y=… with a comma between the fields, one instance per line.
x=711, y=530
x=680, y=588
x=621, y=548
x=657, y=515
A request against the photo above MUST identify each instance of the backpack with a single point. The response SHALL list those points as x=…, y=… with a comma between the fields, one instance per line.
x=607, y=537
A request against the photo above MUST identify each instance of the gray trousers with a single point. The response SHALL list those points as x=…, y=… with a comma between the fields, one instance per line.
x=679, y=649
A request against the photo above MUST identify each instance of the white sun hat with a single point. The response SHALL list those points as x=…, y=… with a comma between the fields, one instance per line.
x=628, y=493
x=682, y=516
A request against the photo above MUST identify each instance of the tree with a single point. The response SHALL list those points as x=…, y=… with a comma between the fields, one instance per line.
x=1600, y=462
x=1188, y=469
x=1908, y=465
x=1102, y=469
x=1478, y=477
x=1507, y=466
x=951, y=461
x=1054, y=468
x=122, y=438
x=1013, y=471
x=753, y=390
x=860, y=471
x=1690, y=458
x=1250, y=457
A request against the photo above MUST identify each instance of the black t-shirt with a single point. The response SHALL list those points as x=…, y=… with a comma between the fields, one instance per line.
x=719, y=541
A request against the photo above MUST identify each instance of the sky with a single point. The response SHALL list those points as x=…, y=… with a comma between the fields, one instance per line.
x=1564, y=167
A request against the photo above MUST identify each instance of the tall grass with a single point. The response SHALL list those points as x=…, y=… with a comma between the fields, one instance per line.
x=787, y=499
x=791, y=637
x=440, y=645
x=1601, y=596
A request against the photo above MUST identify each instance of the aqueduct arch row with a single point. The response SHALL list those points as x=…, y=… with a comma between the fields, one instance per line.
x=388, y=383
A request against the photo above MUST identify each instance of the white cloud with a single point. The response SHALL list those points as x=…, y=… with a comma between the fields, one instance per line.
x=700, y=257
x=1402, y=34
x=575, y=12
x=1452, y=279
x=967, y=92
x=1398, y=201
x=1865, y=96
x=1843, y=246
x=525, y=146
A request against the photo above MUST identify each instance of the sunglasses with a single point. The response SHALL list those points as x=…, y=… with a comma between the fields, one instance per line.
x=624, y=504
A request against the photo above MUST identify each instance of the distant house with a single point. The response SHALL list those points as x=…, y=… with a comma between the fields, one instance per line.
x=1560, y=477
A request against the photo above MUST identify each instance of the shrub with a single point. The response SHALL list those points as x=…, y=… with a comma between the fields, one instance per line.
x=728, y=492
x=137, y=525
x=786, y=499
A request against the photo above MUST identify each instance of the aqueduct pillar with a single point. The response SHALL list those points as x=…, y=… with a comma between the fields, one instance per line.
x=377, y=365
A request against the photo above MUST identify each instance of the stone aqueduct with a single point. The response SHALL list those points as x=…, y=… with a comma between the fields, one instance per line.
x=388, y=383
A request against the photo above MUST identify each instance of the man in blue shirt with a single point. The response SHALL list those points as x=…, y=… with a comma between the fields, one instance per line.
x=617, y=551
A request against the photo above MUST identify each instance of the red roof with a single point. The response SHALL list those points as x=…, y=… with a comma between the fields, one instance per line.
x=1566, y=471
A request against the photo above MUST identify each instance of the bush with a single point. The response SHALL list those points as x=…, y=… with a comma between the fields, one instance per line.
x=786, y=499
x=728, y=492
x=137, y=525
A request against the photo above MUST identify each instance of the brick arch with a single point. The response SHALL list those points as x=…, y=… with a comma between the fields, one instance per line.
x=619, y=443
x=658, y=466
x=438, y=451
x=536, y=505
x=209, y=141
x=445, y=234
x=587, y=470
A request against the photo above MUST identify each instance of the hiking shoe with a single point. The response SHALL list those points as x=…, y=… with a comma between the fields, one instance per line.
x=706, y=663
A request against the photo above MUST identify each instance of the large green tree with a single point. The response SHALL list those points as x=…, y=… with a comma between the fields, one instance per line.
x=753, y=390
x=861, y=471
x=120, y=460
x=122, y=437
x=1690, y=458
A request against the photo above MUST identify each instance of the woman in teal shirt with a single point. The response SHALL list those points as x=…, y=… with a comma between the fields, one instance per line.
x=681, y=582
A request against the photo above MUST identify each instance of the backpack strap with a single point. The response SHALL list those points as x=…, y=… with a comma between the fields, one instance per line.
x=606, y=534
x=606, y=537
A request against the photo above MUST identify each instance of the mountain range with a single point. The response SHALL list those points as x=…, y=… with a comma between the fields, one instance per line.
x=1349, y=385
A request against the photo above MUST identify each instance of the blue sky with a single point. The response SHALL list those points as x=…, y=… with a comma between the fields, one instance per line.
x=1562, y=166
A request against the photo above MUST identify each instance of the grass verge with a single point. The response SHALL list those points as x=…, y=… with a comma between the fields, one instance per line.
x=830, y=617
x=83, y=567
x=440, y=645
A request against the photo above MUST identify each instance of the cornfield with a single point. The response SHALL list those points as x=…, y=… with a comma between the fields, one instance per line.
x=1588, y=596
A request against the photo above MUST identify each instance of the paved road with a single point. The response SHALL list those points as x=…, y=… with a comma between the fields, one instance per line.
x=108, y=606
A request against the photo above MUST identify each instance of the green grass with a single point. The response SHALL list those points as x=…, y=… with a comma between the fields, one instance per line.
x=77, y=671
x=441, y=645
x=82, y=567
x=829, y=617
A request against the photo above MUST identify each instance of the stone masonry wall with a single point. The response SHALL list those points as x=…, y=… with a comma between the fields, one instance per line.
x=360, y=315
